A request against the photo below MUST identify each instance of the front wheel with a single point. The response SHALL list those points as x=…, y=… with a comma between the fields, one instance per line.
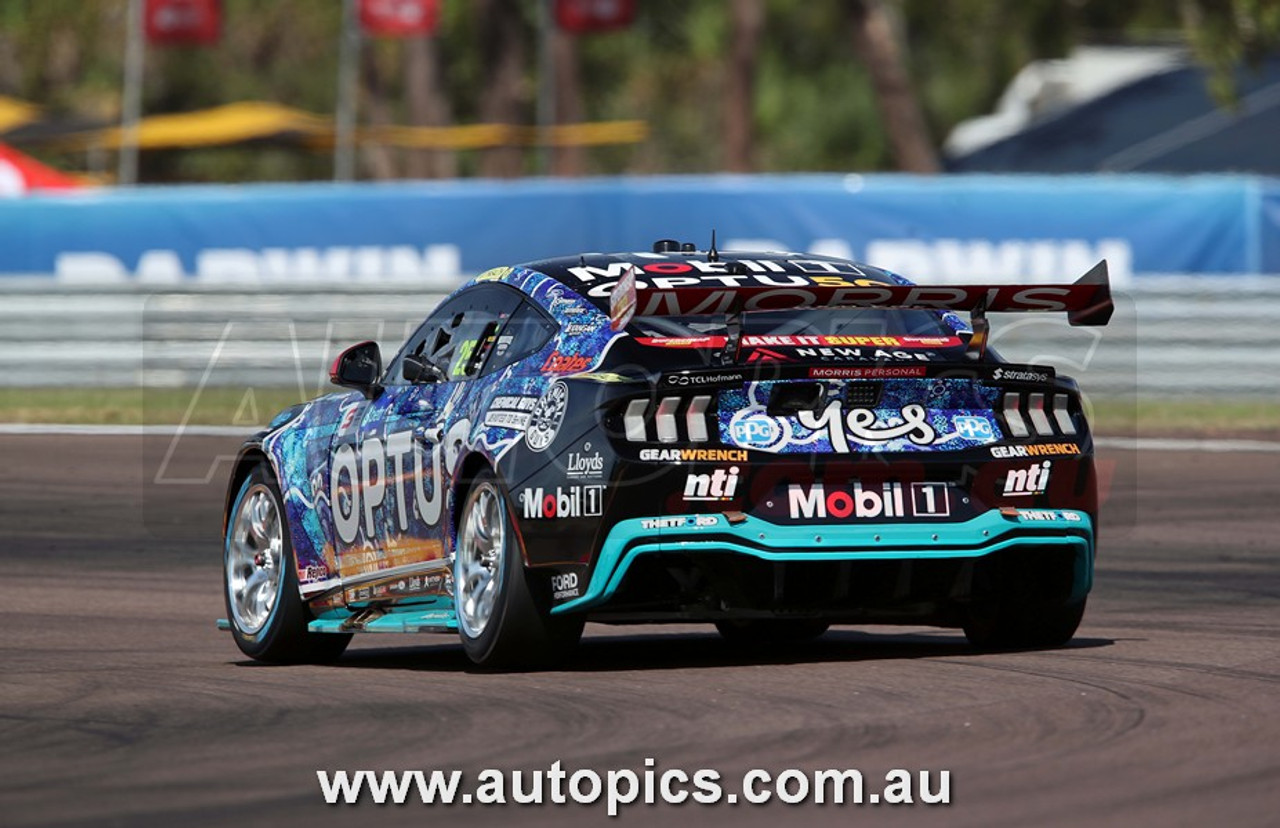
x=260, y=582
x=503, y=609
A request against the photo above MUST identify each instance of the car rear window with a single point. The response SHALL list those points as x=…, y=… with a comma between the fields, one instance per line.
x=818, y=322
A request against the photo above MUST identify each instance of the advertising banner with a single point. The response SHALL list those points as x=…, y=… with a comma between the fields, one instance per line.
x=1269, y=229
x=935, y=229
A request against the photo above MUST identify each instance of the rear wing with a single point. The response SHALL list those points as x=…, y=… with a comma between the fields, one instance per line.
x=1086, y=301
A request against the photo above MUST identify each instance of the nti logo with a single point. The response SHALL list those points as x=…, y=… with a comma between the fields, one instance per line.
x=973, y=428
x=718, y=485
x=1029, y=481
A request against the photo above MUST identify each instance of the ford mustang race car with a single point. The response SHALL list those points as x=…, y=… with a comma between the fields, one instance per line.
x=771, y=443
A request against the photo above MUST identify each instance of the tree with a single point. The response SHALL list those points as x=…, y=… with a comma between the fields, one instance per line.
x=745, y=31
x=1225, y=34
x=877, y=44
x=503, y=39
x=744, y=85
x=376, y=101
x=427, y=105
x=569, y=109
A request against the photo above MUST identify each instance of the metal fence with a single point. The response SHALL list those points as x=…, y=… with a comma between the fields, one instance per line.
x=1181, y=336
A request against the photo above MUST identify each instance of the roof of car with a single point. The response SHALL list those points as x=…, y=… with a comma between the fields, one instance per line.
x=699, y=268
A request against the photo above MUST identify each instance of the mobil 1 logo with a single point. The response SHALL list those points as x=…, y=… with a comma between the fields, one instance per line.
x=888, y=500
x=562, y=502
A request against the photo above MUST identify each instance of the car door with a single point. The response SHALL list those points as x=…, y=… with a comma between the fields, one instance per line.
x=356, y=485
x=412, y=437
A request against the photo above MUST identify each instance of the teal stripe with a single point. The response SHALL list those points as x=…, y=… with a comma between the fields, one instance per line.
x=981, y=535
x=413, y=618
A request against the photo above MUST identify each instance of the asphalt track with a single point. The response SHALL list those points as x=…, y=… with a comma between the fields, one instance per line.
x=121, y=704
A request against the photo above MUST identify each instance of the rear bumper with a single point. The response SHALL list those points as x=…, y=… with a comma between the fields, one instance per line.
x=988, y=533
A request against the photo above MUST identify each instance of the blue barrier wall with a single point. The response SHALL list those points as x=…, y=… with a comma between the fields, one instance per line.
x=932, y=229
x=1268, y=233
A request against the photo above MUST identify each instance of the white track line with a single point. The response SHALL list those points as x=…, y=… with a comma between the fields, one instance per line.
x=126, y=430
x=1127, y=443
x=1180, y=444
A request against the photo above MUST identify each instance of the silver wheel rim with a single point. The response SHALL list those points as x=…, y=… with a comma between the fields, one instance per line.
x=255, y=550
x=479, y=562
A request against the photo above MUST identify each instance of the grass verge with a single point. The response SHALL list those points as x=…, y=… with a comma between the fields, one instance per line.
x=135, y=406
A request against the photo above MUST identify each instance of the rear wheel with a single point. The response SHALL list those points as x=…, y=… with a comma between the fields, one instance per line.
x=503, y=609
x=1012, y=624
x=260, y=580
x=771, y=630
x=1027, y=597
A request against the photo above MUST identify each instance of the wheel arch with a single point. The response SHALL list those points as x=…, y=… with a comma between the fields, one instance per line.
x=250, y=455
x=468, y=468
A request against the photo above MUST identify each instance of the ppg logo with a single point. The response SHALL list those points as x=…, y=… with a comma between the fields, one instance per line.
x=973, y=428
x=755, y=431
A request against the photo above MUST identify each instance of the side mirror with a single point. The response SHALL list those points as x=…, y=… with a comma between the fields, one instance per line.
x=359, y=367
x=416, y=368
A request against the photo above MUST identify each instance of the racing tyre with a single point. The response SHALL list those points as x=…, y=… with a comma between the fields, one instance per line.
x=771, y=630
x=260, y=580
x=1018, y=625
x=503, y=609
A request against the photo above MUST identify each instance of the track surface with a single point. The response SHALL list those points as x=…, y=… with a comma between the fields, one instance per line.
x=121, y=704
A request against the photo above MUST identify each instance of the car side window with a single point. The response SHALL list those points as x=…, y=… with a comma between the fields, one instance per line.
x=525, y=333
x=416, y=345
x=459, y=335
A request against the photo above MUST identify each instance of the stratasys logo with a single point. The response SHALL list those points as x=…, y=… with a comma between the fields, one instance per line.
x=1020, y=375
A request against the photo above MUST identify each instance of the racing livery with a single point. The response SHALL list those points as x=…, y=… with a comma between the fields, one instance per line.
x=772, y=443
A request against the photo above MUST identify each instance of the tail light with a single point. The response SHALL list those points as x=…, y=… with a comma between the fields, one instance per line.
x=1038, y=414
x=1062, y=414
x=1013, y=415
x=633, y=422
x=666, y=420
x=671, y=420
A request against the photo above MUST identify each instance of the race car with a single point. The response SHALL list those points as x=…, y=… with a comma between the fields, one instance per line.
x=770, y=443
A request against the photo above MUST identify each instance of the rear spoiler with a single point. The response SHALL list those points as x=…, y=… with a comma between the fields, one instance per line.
x=1086, y=301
